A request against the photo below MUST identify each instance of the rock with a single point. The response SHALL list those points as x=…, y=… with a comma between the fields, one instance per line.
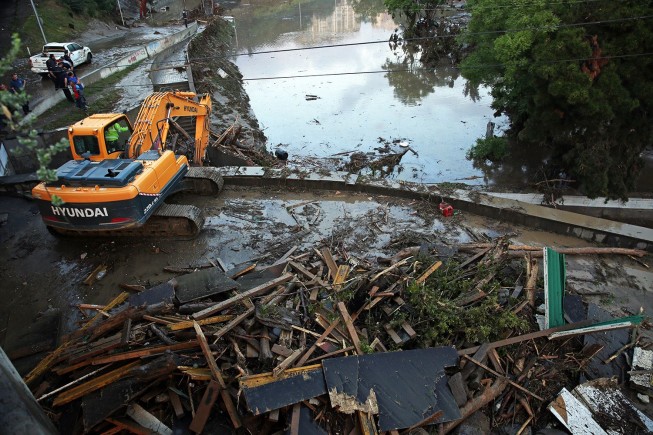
x=477, y=423
x=643, y=398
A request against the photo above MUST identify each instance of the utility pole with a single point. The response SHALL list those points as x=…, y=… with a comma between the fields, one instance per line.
x=38, y=21
x=120, y=9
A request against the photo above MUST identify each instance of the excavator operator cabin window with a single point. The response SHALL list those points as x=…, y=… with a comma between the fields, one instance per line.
x=86, y=144
x=116, y=136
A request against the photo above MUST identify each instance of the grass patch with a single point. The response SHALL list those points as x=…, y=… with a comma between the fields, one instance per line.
x=56, y=21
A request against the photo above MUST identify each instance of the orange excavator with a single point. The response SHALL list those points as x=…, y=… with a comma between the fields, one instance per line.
x=121, y=174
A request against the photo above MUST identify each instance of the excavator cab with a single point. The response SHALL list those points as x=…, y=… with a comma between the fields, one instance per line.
x=100, y=137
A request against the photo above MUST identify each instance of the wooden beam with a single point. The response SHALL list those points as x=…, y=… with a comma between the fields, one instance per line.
x=287, y=362
x=341, y=277
x=95, y=384
x=239, y=297
x=187, y=324
x=147, y=351
x=203, y=411
x=217, y=375
x=330, y=262
x=350, y=327
x=435, y=266
x=310, y=350
x=525, y=337
x=294, y=419
x=129, y=426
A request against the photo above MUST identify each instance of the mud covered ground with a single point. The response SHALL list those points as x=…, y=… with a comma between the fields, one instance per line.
x=43, y=275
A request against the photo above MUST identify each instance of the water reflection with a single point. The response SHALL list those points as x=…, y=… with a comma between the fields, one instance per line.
x=359, y=97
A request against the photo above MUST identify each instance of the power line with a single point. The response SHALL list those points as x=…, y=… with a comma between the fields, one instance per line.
x=385, y=41
x=516, y=5
x=390, y=71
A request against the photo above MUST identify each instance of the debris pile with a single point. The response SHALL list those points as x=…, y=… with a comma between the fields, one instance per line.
x=324, y=342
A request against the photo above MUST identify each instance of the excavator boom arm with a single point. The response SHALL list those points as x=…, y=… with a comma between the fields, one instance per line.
x=154, y=120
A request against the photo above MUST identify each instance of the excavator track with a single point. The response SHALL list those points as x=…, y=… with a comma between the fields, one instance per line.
x=203, y=180
x=179, y=221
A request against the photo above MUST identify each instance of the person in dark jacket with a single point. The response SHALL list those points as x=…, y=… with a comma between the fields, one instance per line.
x=62, y=83
x=51, y=65
x=66, y=57
x=17, y=86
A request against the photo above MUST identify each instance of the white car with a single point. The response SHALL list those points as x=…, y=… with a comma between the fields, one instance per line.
x=78, y=54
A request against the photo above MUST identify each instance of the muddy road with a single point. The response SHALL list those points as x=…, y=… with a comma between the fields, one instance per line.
x=43, y=276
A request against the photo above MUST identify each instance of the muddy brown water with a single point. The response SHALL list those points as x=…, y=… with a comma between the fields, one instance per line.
x=358, y=103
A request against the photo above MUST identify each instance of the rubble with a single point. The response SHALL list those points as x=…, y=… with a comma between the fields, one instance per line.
x=324, y=342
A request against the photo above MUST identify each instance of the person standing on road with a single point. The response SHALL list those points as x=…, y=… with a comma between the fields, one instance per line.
x=17, y=86
x=62, y=84
x=184, y=15
x=77, y=88
x=51, y=65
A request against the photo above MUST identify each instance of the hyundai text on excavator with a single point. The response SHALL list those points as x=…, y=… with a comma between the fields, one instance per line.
x=121, y=175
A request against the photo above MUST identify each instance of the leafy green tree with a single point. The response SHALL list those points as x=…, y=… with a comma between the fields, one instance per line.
x=12, y=117
x=573, y=76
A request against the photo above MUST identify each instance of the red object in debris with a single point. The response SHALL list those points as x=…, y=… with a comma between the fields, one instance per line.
x=446, y=209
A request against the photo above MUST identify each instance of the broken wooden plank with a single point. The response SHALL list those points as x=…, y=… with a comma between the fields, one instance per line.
x=341, y=277
x=473, y=405
x=187, y=324
x=286, y=363
x=176, y=404
x=95, y=384
x=574, y=415
x=53, y=356
x=366, y=423
x=281, y=350
x=301, y=269
x=130, y=427
x=422, y=278
x=310, y=350
x=217, y=375
x=147, y=351
x=350, y=327
x=390, y=269
x=239, y=297
x=203, y=411
x=330, y=262
x=525, y=337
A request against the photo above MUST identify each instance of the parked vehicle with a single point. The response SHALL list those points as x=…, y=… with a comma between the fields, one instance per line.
x=78, y=53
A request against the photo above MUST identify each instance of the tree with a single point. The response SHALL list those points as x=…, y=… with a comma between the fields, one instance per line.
x=12, y=118
x=430, y=30
x=573, y=76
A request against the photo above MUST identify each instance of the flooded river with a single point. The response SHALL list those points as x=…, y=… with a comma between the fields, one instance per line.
x=322, y=102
